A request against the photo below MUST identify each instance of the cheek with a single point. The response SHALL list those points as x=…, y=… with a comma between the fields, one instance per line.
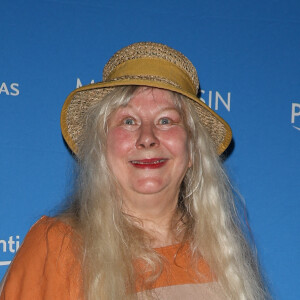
x=119, y=143
x=176, y=141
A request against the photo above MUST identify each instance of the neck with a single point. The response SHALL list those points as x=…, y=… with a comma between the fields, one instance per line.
x=157, y=217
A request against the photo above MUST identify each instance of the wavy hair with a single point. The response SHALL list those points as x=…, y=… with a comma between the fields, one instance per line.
x=112, y=241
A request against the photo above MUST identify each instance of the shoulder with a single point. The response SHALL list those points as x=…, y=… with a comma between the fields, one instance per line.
x=44, y=263
x=48, y=229
x=46, y=239
x=47, y=235
x=49, y=225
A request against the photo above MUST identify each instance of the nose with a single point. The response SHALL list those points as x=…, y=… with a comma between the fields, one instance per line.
x=147, y=137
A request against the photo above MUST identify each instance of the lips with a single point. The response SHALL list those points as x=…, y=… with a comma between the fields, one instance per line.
x=152, y=163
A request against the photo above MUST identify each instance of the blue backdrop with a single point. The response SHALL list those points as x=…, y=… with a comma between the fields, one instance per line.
x=247, y=57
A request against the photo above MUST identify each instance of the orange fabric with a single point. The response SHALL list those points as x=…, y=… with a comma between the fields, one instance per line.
x=177, y=269
x=45, y=266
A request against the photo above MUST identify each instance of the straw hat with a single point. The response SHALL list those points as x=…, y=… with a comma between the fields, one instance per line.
x=144, y=64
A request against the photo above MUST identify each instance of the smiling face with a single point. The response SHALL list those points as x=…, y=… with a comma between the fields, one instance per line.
x=147, y=146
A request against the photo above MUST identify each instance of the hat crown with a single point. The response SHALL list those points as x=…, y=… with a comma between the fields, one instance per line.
x=152, y=50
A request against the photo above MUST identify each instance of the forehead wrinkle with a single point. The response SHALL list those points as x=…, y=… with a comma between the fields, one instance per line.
x=159, y=108
x=163, y=102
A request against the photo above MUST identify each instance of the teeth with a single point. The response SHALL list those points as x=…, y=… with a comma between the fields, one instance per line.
x=147, y=163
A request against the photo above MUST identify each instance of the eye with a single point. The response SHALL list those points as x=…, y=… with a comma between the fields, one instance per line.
x=164, y=121
x=128, y=121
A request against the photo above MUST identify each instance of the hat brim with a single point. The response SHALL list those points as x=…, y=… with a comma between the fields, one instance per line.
x=218, y=128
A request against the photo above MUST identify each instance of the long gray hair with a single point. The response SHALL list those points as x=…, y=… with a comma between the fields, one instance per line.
x=113, y=241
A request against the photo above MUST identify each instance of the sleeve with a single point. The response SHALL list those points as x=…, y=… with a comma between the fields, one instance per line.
x=45, y=266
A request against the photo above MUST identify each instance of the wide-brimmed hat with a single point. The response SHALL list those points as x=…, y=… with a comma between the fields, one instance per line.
x=143, y=64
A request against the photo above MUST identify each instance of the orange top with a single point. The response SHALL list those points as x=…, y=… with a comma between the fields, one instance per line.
x=45, y=267
x=177, y=268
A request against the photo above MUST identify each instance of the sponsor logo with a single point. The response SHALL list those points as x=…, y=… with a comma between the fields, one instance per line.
x=215, y=100
x=9, y=89
x=295, y=115
x=9, y=246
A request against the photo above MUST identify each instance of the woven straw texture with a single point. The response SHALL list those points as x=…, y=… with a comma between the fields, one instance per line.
x=152, y=50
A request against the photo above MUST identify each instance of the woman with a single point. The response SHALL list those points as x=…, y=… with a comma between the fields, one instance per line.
x=152, y=214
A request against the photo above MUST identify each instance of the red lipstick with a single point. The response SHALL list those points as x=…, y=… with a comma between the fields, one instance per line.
x=152, y=163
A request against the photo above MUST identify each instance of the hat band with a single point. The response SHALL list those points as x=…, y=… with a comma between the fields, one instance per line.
x=153, y=67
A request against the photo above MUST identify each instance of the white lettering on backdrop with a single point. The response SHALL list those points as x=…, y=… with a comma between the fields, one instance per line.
x=295, y=114
x=9, y=89
x=214, y=98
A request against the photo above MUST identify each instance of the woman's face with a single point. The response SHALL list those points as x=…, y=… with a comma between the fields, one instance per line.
x=147, y=147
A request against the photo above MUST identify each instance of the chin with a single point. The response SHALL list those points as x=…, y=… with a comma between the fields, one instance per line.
x=149, y=186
